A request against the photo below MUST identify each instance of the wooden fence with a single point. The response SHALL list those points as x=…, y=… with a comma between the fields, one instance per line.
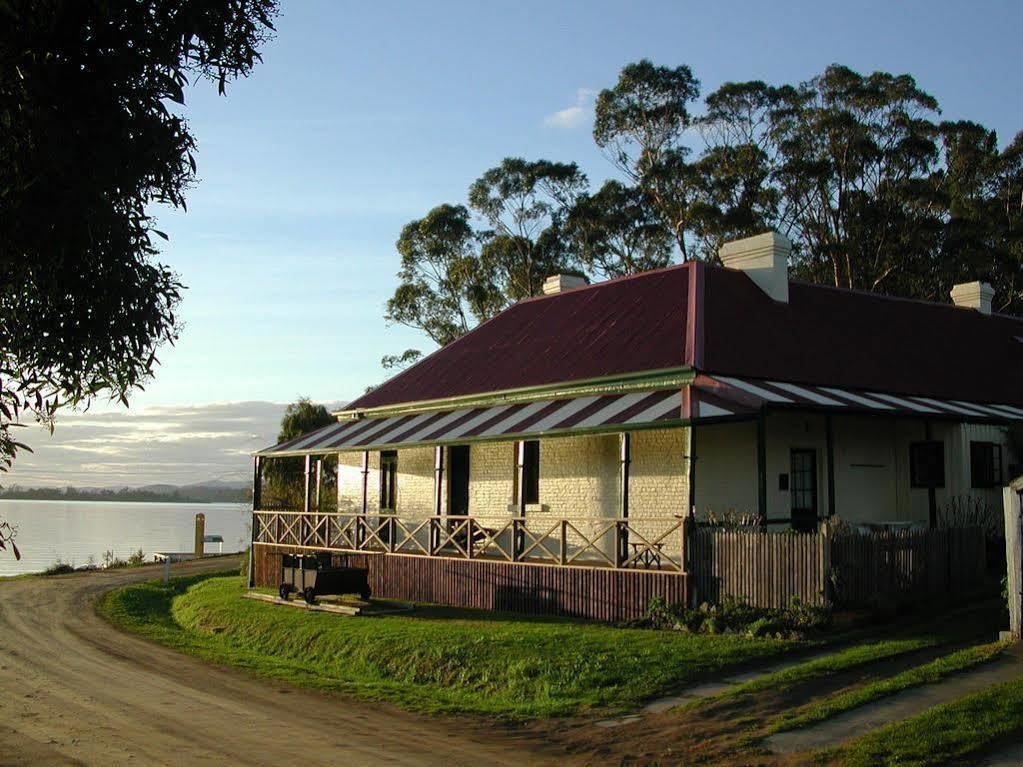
x=768, y=569
x=845, y=569
x=866, y=569
x=765, y=568
x=591, y=593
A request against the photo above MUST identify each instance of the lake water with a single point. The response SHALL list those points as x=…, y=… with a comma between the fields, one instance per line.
x=75, y=530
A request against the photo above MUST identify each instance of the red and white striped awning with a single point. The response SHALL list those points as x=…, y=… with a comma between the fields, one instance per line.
x=723, y=396
x=553, y=416
x=708, y=399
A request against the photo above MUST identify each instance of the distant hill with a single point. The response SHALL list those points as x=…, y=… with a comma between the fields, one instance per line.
x=215, y=491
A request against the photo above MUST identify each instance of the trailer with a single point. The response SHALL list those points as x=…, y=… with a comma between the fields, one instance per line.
x=313, y=575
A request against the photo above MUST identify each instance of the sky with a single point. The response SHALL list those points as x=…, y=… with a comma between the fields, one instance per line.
x=363, y=116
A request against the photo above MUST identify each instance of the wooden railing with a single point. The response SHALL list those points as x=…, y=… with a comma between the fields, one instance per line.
x=646, y=543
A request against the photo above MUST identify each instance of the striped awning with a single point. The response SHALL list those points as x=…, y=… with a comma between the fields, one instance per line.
x=707, y=400
x=552, y=416
x=723, y=396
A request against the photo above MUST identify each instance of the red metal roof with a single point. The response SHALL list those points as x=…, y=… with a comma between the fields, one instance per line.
x=613, y=328
x=831, y=337
x=718, y=321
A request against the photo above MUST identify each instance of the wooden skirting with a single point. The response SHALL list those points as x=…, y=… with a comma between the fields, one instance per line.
x=602, y=594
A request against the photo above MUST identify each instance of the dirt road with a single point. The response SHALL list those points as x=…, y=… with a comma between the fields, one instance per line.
x=73, y=690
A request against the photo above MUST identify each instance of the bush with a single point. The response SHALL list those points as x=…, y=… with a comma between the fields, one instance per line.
x=737, y=616
x=60, y=567
x=111, y=562
x=137, y=558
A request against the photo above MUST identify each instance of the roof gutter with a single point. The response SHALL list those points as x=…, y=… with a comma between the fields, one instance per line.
x=648, y=379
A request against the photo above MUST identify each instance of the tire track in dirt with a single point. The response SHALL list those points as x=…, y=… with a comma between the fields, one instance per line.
x=74, y=690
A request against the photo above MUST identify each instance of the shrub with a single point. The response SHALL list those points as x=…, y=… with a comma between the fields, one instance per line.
x=737, y=616
x=137, y=558
x=60, y=567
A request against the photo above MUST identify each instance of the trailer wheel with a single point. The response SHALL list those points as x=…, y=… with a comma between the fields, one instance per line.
x=284, y=591
x=309, y=595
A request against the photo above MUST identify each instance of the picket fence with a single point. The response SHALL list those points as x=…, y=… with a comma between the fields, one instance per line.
x=839, y=568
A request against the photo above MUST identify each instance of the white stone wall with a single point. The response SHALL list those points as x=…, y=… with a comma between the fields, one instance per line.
x=416, y=482
x=659, y=474
x=491, y=479
x=349, y=486
x=579, y=476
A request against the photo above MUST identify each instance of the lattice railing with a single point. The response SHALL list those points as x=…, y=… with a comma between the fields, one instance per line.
x=644, y=543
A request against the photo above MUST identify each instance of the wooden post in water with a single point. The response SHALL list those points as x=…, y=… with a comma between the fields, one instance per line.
x=200, y=535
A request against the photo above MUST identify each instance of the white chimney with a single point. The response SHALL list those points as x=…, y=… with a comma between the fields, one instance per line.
x=559, y=283
x=765, y=259
x=973, y=295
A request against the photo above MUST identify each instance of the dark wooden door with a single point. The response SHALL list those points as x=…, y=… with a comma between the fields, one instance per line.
x=803, y=489
x=458, y=480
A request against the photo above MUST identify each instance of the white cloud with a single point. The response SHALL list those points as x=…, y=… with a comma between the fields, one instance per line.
x=574, y=116
x=174, y=445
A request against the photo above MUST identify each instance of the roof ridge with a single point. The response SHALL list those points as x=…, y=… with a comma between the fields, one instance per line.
x=604, y=283
x=888, y=297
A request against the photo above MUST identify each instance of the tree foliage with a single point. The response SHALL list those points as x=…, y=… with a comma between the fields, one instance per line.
x=617, y=231
x=525, y=204
x=857, y=170
x=284, y=478
x=444, y=287
x=89, y=139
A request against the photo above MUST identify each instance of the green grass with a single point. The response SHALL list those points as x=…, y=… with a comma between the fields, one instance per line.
x=926, y=673
x=434, y=660
x=942, y=734
x=832, y=663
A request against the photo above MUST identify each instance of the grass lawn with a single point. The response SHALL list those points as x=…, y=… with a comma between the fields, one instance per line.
x=942, y=734
x=846, y=700
x=834, y=662
x=434, y=660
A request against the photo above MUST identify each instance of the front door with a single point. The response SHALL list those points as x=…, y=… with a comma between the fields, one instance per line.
x=458, y=480
x=803, y=490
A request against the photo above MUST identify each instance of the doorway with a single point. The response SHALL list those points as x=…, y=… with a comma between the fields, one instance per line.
x=458, y=480
x=803, y=489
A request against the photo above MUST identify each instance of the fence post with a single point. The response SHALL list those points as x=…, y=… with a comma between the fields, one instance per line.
x=825, y=536
x=563, y=550
x=1014, y=557
x=517, y=542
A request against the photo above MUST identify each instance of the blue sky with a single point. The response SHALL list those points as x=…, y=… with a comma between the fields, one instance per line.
x=365, y=115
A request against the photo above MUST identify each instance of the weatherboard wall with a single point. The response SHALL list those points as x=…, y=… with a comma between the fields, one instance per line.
x=601, y=594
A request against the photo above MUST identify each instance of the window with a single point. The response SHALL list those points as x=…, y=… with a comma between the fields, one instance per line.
x=531, y=471
x=927, y=464
x=388, y=480
x=985, y=464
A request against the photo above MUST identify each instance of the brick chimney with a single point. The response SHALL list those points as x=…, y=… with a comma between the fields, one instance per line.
x=765, y=260
x=559, y=283
x=973, y=295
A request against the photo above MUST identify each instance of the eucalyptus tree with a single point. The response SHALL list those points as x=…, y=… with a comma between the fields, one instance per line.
x=617, y=231
x=641, y=125
x=444, y=287
x=525, y=205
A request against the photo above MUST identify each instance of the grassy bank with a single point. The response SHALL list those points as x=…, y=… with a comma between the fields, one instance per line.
x=926, y=673
x=942, y=735
x=434, y=660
